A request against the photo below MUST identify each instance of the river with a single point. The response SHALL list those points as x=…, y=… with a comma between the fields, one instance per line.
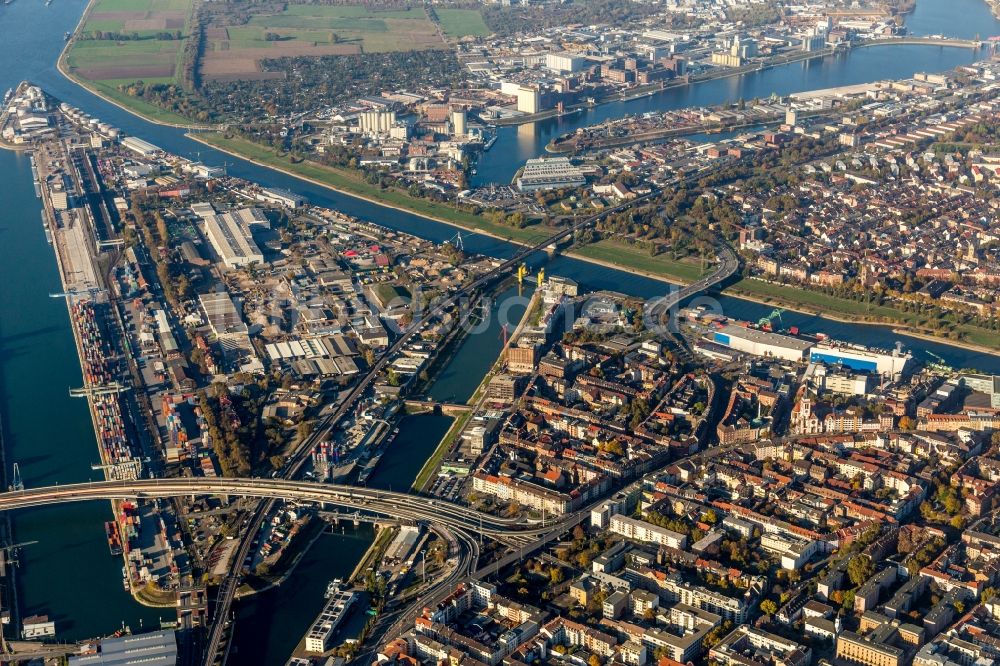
x=69, y=573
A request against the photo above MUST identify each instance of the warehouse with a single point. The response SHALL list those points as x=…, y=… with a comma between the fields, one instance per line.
x=222, y=314
x=140, y=147
x=762, y=343
x=563, y=63
x=549, y=173
x=889, y=364
x=230, y=235
x=158, y=648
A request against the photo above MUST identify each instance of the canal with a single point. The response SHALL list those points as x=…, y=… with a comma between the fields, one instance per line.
x=50, y=436
x=479, y=350
x=269, y=625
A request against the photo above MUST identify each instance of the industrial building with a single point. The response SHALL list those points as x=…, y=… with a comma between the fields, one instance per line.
x=459, y=122
x=157, y=648
x=549, y=173
x=376, y=122
x=230, y=235
x=988, y=384
x=762, y=343
x=563, y=63
x=279, y=196
x=529, y=100
x=889, y=364
x=222, y=314
x=140, y=147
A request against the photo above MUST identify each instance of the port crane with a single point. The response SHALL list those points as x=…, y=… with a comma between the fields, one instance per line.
x=74, y=294
x=766, y=321
x=9, y=553
x=101, y=467
x=113, y=388
x=457, y=242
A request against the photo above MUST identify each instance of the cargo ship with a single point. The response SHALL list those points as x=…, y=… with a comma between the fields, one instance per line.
x=114, y=538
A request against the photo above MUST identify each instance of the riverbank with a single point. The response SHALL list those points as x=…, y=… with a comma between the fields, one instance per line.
x=655, y=88
x=672, y=273
x=248, y=590
x=318, y=174
x=344, y=182
x=745, y=290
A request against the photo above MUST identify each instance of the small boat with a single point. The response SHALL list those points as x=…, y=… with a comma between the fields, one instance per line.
x=67, y=36
x=128, y=588
x=332, y=587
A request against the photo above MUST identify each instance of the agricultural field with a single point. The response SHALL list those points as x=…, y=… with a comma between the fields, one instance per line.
x=234, y=51
x=122, y=41
x=462, y=22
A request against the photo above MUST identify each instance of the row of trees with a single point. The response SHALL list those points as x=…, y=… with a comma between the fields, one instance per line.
x=531, y=18
x=110, y=35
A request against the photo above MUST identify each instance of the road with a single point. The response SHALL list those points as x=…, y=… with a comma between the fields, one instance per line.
x=657, y=317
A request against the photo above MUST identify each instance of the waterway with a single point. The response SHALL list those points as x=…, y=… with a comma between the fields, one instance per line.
x=69, y=574
x=478, y=351
x=270, y=625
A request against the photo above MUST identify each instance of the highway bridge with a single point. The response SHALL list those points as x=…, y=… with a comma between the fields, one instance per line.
x=657, y=317
x=394, y=504
x=921, y=41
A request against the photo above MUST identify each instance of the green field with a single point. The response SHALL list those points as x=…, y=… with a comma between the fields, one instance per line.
x=352, y=12
x=462, y=22
x=98, y=53
x=615, y=252
x=371, y=30
x=140, y=6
